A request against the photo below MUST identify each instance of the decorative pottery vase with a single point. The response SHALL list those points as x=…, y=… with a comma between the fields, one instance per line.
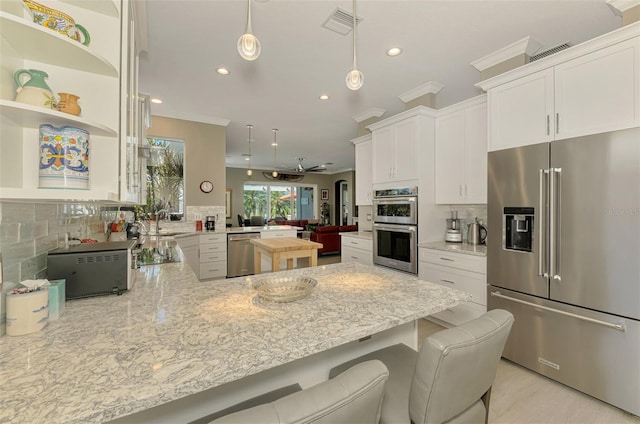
x=57, y=21
x=35, y=90
x=64, y=157
x=68, y=103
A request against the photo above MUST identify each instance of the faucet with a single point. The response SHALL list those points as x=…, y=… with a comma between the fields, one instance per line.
x=158, y=218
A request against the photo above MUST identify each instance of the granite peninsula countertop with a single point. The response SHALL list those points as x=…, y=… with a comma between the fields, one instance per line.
x=171, y=336
x=465, y=248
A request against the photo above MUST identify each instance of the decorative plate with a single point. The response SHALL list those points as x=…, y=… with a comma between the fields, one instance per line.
x=284, y=289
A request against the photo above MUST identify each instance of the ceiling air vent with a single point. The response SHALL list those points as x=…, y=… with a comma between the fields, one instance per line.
x=340, y=21
x=549, y=52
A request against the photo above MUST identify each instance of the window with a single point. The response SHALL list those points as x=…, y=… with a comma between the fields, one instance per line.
x=278, y=201
x=165, y=176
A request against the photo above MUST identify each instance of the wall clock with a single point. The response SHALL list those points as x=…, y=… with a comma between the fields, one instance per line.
x=206, y=186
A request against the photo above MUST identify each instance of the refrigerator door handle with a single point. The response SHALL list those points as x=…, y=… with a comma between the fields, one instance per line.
x=554, y=223
x=619, y=326
x=542, y=266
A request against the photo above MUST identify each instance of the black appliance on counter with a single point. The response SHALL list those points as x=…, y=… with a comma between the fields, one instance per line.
x=210, y=223
x=92, y=269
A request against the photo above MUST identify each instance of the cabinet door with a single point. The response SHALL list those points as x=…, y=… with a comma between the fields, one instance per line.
x=598, y=92
x=475, y=155
x=383, y=152
x=406, y=150
x=364, y=161
x=450, y=135
x=521, y=111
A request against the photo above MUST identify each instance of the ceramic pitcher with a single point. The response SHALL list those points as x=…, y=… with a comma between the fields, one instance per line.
x=35, y=90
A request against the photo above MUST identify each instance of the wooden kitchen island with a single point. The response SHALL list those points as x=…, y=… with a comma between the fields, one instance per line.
x=173, y=349
x=288, y=248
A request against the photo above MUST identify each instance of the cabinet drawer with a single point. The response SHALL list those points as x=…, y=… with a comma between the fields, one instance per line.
x=357, y=243
x=455, y=260
x=349, y=254
x=206, y=249
x=213, y=238
x=213, y=270
x=213, y=257
x=460, y=314
x=470, y=282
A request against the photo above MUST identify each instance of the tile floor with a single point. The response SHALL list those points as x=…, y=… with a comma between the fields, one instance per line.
x=524, y=397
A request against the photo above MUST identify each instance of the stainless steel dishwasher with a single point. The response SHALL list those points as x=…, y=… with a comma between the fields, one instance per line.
x=240, y=254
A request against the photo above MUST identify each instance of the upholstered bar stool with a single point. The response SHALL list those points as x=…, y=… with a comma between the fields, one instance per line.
x=449, y=380
x=355, y=396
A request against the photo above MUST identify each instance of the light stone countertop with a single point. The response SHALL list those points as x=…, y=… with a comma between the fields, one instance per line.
x=172, y=336
x=367, y=235
x=465, y=248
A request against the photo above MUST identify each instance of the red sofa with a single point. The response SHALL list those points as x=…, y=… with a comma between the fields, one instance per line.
x=329, y=236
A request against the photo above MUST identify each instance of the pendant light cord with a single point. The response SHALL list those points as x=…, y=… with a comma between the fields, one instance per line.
x=355, y=65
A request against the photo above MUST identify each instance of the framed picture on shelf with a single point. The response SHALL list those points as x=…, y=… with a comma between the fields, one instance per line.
x=324, y=194
x=227, y=202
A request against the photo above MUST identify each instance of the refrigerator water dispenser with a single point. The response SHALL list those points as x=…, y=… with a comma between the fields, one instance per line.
x=518, y=229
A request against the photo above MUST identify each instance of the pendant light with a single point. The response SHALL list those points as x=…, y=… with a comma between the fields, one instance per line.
x=249, y=171
x=248, y=44
x=354, y=77
x=275, y=149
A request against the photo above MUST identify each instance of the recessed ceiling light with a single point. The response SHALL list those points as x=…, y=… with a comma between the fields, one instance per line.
x=156, y=101
x=324, y=97
x=222, y=71
x=394, y=51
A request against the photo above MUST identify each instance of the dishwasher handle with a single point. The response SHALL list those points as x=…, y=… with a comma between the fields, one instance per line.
x=244, y=236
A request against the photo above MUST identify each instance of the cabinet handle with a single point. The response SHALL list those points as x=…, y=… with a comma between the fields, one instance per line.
x=354, y=257
x=466, y=193
x=448, y=281
x=353, y=242
x=557, y=123
x=447, y=259
x=548, y=119
x=460, y=190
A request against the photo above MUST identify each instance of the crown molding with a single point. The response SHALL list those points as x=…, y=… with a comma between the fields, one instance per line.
x=195, y=118
x=527, y=45
x=616, y=36
x=416, y=111
x=620, y=6
x=374, y=112
x=362, y=139
x=429, y=87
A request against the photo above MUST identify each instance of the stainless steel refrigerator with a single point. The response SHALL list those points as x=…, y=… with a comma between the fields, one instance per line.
x=564, y=257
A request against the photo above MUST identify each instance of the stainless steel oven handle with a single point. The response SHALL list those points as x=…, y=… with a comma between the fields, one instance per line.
x=619, y=326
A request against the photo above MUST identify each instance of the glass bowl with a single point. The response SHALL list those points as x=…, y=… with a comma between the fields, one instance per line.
x=284, y=289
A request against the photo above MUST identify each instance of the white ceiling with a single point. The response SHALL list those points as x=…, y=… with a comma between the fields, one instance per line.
x=301, y=60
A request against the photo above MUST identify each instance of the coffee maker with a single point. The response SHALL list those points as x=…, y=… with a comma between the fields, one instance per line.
x=454, y=229
x=210, y=223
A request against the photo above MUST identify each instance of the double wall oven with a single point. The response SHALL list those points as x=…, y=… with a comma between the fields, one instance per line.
x=395, y=228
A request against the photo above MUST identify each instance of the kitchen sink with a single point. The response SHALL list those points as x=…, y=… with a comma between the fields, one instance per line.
x=162, y=252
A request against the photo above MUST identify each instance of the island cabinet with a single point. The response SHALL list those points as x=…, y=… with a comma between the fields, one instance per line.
x=461, y=153
x=190, y=246
x=356, y=248
x=398, y=146
x=363, y=150
x=459, y=271
x=213, y=256
x=97, y=73
x=590, y=88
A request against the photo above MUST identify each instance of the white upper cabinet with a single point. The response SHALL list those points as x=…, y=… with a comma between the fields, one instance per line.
x=364, y=160
x=461, y=153
x=91, y=72
x=398, y=144
x=587, y=89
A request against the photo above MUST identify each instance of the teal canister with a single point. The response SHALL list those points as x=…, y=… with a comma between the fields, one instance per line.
x=34, y=90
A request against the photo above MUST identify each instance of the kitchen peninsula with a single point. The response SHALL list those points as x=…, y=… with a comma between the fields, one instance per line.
x=172, y=336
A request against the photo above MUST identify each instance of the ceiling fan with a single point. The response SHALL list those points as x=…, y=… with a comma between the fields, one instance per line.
x=301, y=169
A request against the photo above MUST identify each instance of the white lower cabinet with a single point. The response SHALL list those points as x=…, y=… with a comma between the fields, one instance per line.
x=356, y=249
x=213, y=256
x=459, y=271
